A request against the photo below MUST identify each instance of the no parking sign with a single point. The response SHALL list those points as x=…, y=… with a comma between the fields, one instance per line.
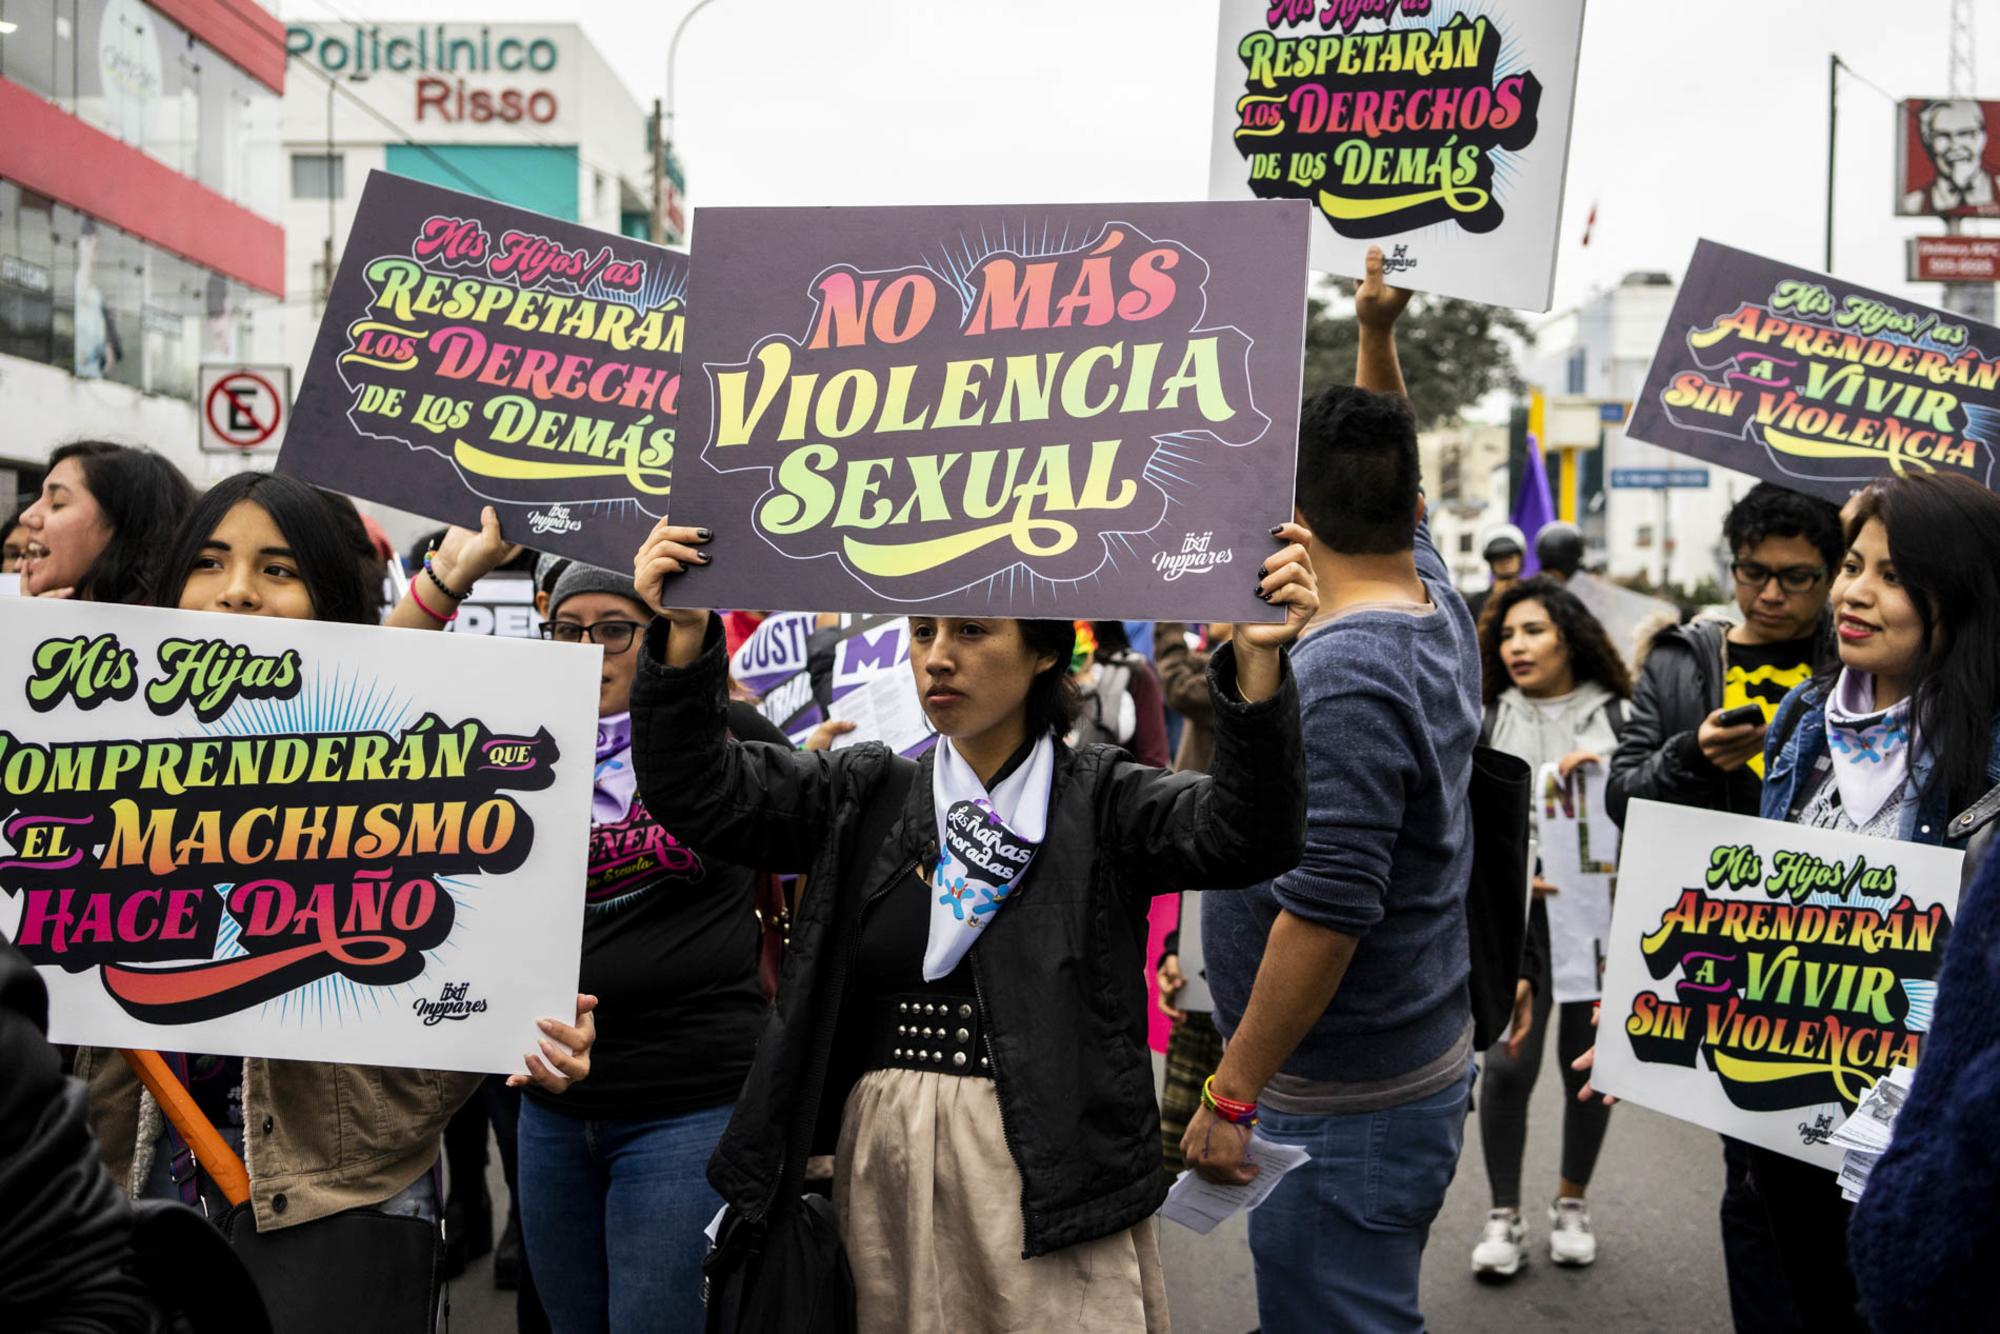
x=243, y=408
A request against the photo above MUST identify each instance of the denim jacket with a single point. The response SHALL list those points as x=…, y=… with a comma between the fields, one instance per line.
x=1795, y=755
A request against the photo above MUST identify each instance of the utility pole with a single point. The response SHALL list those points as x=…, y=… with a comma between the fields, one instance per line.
x=326, y=254
x=1974, y=300
x=1832, y=136
x=656, y=231
x=663, y=153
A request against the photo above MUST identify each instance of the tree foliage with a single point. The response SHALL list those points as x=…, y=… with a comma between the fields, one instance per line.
x=1452, y=351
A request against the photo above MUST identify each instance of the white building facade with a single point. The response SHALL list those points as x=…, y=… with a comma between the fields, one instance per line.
x=1601, y=351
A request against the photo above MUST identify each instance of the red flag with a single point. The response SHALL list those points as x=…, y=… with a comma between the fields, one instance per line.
x=1590, y=223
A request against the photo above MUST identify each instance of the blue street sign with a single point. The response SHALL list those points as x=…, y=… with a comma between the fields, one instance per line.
x=1611, y=413
x=1657, y=479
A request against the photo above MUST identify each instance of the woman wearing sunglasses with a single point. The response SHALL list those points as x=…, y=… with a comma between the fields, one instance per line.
x=613, y=1196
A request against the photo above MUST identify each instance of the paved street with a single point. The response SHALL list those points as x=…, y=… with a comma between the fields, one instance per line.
x=1659, y=1265
x=1659, y=1262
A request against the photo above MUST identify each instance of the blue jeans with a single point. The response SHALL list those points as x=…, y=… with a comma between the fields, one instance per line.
x=1339, y=1243
x=612, y=1214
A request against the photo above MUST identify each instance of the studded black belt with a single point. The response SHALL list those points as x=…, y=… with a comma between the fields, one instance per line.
x=926, y=1031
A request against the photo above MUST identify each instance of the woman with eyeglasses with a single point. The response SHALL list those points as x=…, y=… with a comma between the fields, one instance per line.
x=613, y=1196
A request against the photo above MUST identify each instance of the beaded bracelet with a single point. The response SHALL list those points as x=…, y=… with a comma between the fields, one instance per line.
x=1230, y=1110
x=443, y=587
x=418, y=599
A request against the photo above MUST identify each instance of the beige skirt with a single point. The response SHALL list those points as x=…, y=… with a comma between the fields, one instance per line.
x=929, y=1203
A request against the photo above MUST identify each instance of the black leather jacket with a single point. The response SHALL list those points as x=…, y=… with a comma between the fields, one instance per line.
x=1658, y=757
x=1060, y=972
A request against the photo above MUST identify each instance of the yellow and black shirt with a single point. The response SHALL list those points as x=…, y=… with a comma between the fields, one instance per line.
x=1761, y=674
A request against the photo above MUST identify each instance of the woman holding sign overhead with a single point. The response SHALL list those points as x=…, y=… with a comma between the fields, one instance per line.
x=318, y=1139
x=1555, y=692
x=1902, y=744
x=962, y=1021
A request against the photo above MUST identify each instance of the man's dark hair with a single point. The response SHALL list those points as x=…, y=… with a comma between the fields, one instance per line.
x=1770, y=510
x=1358, y=476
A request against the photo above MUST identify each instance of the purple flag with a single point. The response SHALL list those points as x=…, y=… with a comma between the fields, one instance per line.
x=1533, y=509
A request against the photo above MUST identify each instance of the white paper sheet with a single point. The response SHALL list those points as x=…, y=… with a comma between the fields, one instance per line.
x=1194, y=993
x=1579, y=850
x=1200, y=1205
x=885, y=709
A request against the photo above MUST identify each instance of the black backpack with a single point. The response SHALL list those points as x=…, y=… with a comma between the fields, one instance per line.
x=1496, y=899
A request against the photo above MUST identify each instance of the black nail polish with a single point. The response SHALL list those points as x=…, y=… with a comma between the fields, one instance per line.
x=701, y=556
x=703, y=534
x=1279, y=529
x=1263, y=571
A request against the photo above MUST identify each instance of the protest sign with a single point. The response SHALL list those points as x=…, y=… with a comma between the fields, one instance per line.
x=775, y=650
x=474, y=353
x=1064, y=410
x=1579, y=849
x=261, y=837
x=870, y=650
x=1815, y=383
x=1437, y=129
x=1764, y=975
x=501, y=605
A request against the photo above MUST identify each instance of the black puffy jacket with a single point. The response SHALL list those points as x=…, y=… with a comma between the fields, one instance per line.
x=1060, y=973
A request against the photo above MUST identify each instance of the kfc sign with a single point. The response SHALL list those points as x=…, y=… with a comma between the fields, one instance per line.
x=1946, y=156
x=1954, y=259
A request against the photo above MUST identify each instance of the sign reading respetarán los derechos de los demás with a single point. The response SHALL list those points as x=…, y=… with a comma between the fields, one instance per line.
x=474, y=353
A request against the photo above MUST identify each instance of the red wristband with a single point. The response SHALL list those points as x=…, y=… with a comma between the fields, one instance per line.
x=417, y=598
x=1230, y=1110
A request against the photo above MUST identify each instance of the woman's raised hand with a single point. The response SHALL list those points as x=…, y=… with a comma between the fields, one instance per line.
x=464, y=557
x=668, y=550
x=1285, y=580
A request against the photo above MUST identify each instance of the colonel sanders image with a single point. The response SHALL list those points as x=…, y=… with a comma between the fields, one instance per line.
x=1954, y=135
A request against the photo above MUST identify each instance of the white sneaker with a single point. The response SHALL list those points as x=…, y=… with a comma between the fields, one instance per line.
x=1571, y=1241
x=1503, y=1246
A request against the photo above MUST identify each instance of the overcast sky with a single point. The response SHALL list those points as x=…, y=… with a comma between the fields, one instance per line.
x=1696, y=117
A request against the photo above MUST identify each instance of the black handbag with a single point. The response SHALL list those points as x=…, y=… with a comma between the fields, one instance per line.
x=1496, y=900
x=787, y=1272
x=360, y=1269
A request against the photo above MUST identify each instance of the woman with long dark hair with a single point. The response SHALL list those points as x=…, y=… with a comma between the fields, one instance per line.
x=104, y=514
x=1900, y=743
x=1554, y=689
x=327, y=1137
x=964, y=1001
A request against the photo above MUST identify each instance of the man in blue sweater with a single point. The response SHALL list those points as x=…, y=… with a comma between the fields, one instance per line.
x=1341, y=987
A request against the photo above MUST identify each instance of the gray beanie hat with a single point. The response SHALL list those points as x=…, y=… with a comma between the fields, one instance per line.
x=549, y=568
x=581, y=578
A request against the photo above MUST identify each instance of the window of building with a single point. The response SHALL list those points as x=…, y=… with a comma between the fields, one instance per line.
x=318, y=176
x=1465, y=544
x=1644, y=537
x=1575, y=372
x=102, y=304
